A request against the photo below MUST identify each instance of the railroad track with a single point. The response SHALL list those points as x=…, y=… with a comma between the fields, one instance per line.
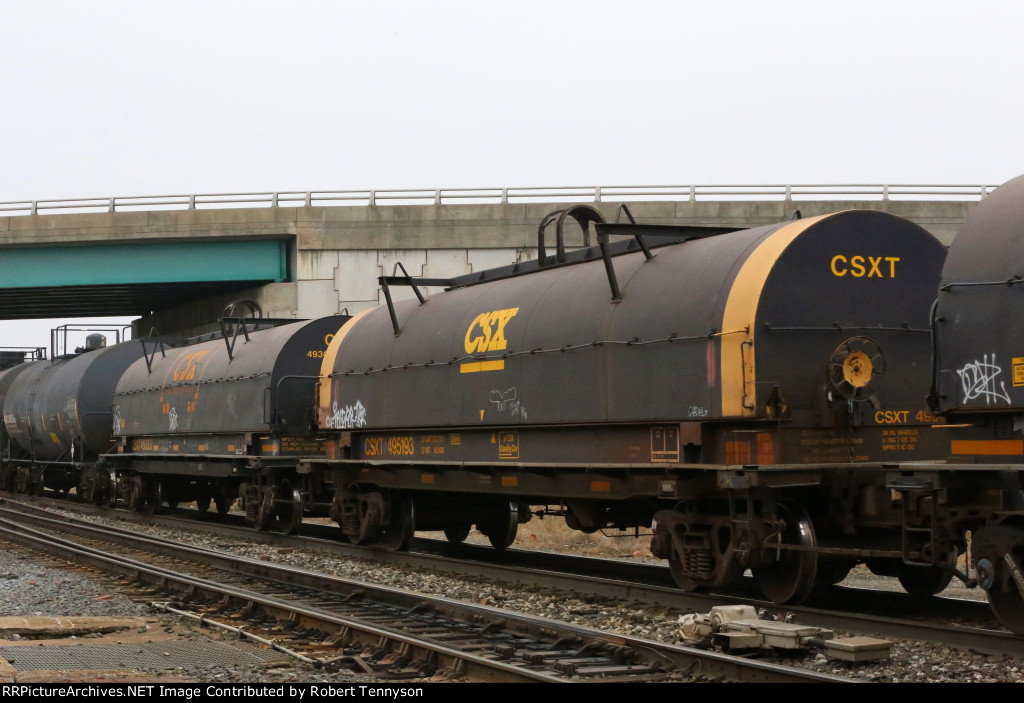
x=953, y=622
x=391, y=632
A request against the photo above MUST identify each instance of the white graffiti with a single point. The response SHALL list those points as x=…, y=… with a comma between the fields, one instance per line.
x=173, y=417
x=698, y=411
x=508, y=401
x=978, y=379
x=346, y=417
x=117, y=419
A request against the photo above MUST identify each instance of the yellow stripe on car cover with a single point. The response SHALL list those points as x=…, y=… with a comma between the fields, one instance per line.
x=737, y=363
x=327, y=366
x=473, y=367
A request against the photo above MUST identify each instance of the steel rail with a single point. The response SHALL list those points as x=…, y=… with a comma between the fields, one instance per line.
x=646, y=583
x=681, y=659
x=139, y=570
x=521, y=194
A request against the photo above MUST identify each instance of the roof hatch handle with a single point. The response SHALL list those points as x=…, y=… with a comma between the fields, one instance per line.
x=583, y=214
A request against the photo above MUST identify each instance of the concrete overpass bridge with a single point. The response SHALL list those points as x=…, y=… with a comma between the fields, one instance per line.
x=175, y=261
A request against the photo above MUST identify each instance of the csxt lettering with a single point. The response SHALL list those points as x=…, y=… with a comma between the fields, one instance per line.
x=891, y=417
x=865, y=266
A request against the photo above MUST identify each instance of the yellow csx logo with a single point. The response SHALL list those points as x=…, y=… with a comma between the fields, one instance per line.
x=186, y=369
x=865, y=266
x=486, y=333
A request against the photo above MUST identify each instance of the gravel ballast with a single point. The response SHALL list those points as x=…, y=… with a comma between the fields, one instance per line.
x=27, y=588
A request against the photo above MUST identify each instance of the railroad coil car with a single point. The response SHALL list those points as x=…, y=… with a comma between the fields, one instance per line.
x=743, y=389
x=978, y=387
x=223, y=419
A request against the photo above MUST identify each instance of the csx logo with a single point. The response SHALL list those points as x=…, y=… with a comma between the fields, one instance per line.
x=487, y=331
x=186, y=370
x=865, y=266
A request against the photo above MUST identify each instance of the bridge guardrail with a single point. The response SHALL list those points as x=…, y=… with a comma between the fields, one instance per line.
x=448, y=196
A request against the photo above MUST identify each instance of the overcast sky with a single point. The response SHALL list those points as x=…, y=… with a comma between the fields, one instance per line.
x=110, y=98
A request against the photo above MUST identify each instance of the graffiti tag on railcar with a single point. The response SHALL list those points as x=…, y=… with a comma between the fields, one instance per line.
x=978, y=380
x=345, y=417
x=508, y=401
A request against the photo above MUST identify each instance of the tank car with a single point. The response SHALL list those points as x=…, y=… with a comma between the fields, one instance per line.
x=978, y=387
x=224, y=419
x=12, y=364
x=739, y=391
x=57, y=416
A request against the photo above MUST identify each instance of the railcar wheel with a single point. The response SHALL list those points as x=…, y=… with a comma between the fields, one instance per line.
x=264, y=512
x=999, y=570
x=503, y=539
x=223, y=504
x=376, y=519
x=203, y=504
x=153, y=495
x=457, y=533
x=1004, y=598
x=135, y=493
x=788, y=576
x=110, y=499
x=397, y=536
x=36, y=483
x=501, y=532
x=289, y=508
x=923, y=581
